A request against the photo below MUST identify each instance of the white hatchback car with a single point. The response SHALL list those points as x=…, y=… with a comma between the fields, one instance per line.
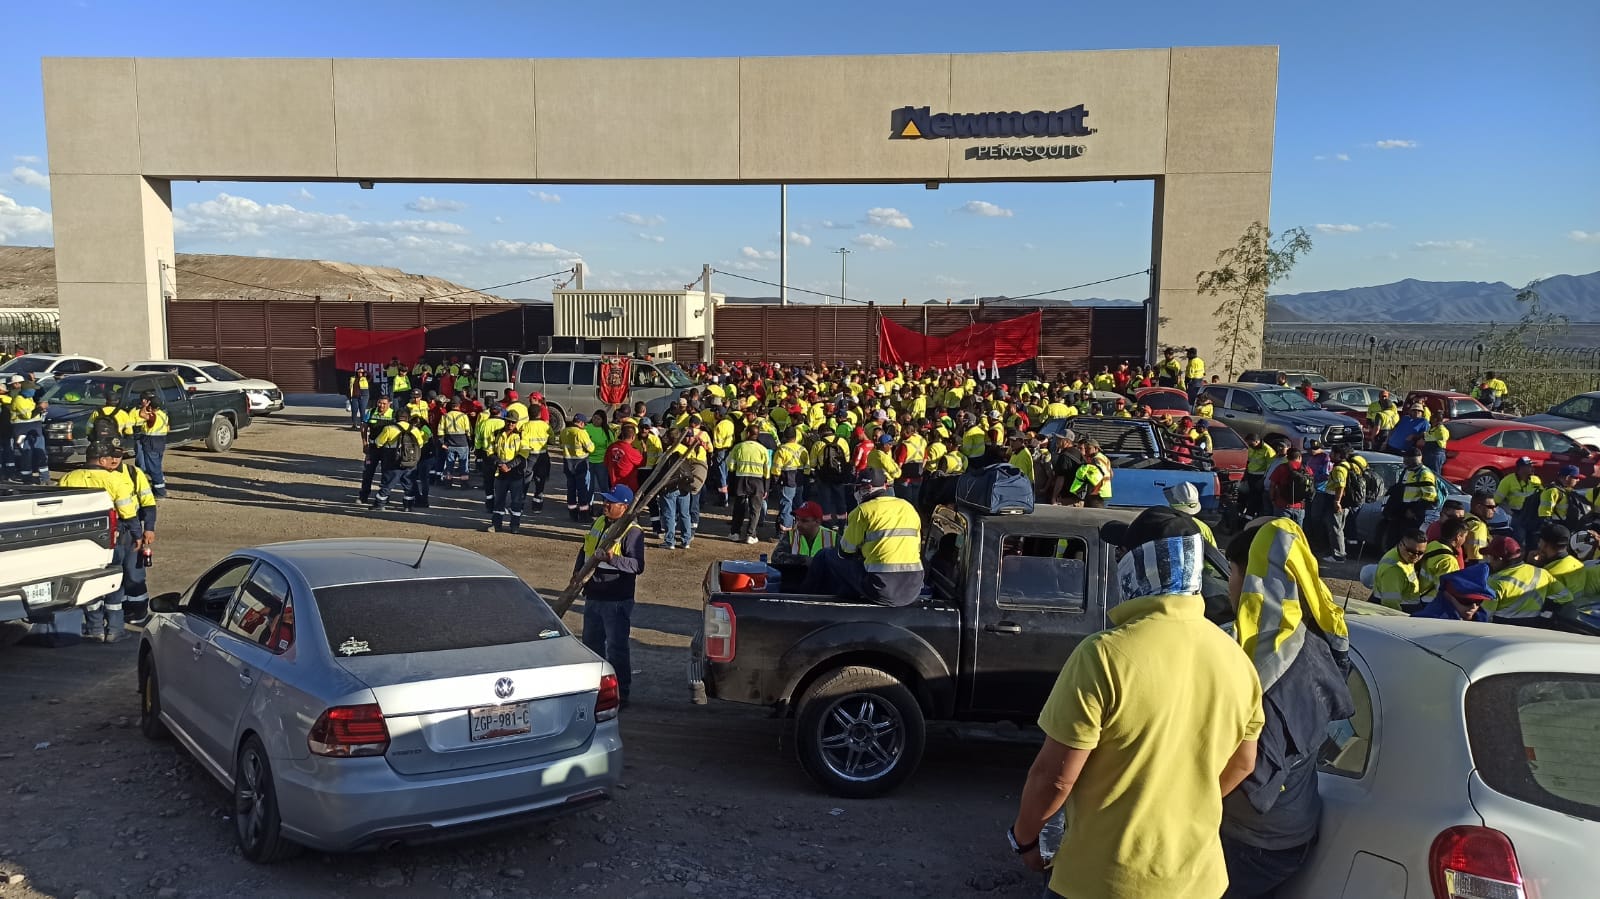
x=212, y=377
x=1468, y=770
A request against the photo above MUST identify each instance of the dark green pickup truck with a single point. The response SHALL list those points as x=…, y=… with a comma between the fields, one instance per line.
x=214, y=418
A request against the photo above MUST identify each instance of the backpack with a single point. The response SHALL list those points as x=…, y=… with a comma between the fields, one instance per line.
x=1360, y=487
x=408, y=449
x=995, y=490
x=1301, y=487
x=836, y=466
x=1578, y=509
x=104, y=430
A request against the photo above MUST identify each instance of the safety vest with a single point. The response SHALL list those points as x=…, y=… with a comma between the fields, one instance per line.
x=591, y=540
x=159, y=425
x=884, y=461
x=377, y=419
x=1522, y=590
x=455, y=424
x=1553, y=503
x=1438, y=437
x=535, y=436
x=1196, y=369
x=507, y=446
x=1513, y=491
x=798, y=545
x=517, y=410
x=974, y=442
x=722, y=436
x=1438, y=560
x=652, y=449
x=122, y=419
x=117, y=485
x=1258, y=458
x=749, y=459
x=483, y=434
x=790, y=457
x=1420, y=486
x=575, y=442
x=1395, y=582
x=1570, y=573
x=887, y=532
x=359, y=385
x=400, y=382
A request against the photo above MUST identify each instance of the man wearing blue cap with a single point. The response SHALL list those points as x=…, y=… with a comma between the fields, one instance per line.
x=879, y=557
x=1556, y=500
x=608, y=594
x=1461, y=596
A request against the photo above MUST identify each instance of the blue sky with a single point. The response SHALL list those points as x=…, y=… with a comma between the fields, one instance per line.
x=1443, y=141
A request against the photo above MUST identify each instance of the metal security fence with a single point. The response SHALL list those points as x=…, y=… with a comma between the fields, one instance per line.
x=38, y=331
x=1537, y=376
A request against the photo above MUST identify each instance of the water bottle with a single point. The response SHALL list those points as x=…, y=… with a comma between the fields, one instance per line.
x=1051, y=834
x=147, y=558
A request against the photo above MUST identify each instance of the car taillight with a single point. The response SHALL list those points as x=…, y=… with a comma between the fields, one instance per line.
x=1471, y=862
x=722, y=628
x=111, y=528
x=347, y=731
x=608, y=700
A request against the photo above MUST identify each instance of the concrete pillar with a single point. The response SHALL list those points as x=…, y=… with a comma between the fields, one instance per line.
x=112, y=234
x=1197, y=217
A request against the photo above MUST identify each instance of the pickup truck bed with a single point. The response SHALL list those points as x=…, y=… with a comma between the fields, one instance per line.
x=55, y=550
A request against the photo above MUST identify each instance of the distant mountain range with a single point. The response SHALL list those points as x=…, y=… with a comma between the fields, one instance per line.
x=1403, y=302
x=1416, y=302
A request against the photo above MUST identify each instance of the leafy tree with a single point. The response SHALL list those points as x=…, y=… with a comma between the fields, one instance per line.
x=1527, y=347
x=1244, y=274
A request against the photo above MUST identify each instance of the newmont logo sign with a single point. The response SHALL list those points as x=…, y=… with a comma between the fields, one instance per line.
x=918, y=122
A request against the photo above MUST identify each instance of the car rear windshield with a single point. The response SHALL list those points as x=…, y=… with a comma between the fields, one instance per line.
x=1157, y=399
x=1461, y=429
x=87, y=390
x=25, y=365
x=1226, y=438
x=1533, y=738
x=392, y=617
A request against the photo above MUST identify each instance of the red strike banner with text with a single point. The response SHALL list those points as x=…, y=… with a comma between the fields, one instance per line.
x=1007, y=343
x=353, y=347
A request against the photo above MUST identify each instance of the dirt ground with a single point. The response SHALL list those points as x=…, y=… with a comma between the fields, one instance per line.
x=712, y=803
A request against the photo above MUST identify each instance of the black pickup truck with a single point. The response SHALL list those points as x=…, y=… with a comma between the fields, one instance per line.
x=1011, y=595
x=212, y=418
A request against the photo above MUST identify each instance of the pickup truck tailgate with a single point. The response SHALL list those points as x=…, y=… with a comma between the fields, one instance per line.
x=54, y=545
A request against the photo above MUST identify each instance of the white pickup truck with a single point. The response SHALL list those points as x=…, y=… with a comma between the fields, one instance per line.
x=55, y=550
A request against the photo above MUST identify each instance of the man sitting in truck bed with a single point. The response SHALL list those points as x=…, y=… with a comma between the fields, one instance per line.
x=879, y=558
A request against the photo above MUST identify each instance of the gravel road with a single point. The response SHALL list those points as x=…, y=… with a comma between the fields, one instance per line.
x=712, y=803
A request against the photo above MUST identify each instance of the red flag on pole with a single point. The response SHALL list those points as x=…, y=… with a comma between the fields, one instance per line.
x=1000, y=344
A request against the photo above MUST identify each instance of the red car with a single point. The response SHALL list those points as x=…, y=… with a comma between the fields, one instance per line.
x=1484, y=450
x=1453, y=405
x=1164, y=402
x=1228, y=452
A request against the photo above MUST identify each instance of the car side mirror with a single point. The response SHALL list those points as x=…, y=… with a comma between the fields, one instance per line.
x=165, y=602
x=201, y=379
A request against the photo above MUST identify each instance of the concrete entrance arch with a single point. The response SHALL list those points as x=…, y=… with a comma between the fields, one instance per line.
x=1198, y=121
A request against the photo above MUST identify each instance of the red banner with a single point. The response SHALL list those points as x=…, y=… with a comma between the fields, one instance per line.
x=1005, y=343
x=615, y=372
x=353, y=347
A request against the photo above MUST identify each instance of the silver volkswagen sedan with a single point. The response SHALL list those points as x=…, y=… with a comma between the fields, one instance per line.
x=364, y=693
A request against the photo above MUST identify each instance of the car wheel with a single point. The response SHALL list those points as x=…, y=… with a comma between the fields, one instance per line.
x=255, y=807
x=220, y=440
x=861, y=732
x=150, y=702
x=558, y=418
x=1486, y=480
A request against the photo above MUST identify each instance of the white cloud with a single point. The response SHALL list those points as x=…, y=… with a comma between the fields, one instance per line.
x=30, y=177
x=984, y=209
x=872, y=241
x=1336, y=229
x=795, y=237
x=531, y=249
x=266, y=253
x=639, y=221
x=1379, y=226
x=653, y=238
x=1336, y=157
x=741, y=265
x=837, y=226
x=1342, y=157
x=304, y=196
x=1030, y=247
x=1584, y=236
x=1445, y=245
x=499, y=220
x=28, y=160
x=937, y=244
x=950, y=282
x=230, y=218
x=543, y=197
x=887, y=217
x=435, y=204
x=1393, y=144
x=753, y=253
x=17, y=220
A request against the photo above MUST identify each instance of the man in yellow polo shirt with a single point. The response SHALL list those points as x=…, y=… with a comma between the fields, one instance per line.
x=1142, y=762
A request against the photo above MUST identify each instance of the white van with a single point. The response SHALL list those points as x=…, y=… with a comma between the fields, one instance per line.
x=569, y=382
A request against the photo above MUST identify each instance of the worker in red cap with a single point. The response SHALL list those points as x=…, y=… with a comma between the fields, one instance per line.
x=807, y=538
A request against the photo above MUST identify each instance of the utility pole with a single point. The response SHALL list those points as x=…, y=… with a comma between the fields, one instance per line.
x=577, y=276
x=842, y=254
x=783, y=244
x=711, y=315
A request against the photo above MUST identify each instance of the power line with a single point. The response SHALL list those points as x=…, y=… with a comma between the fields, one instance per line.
x=441, y=296
x=1084, y=285
x=243, y=284
x=831, y=296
